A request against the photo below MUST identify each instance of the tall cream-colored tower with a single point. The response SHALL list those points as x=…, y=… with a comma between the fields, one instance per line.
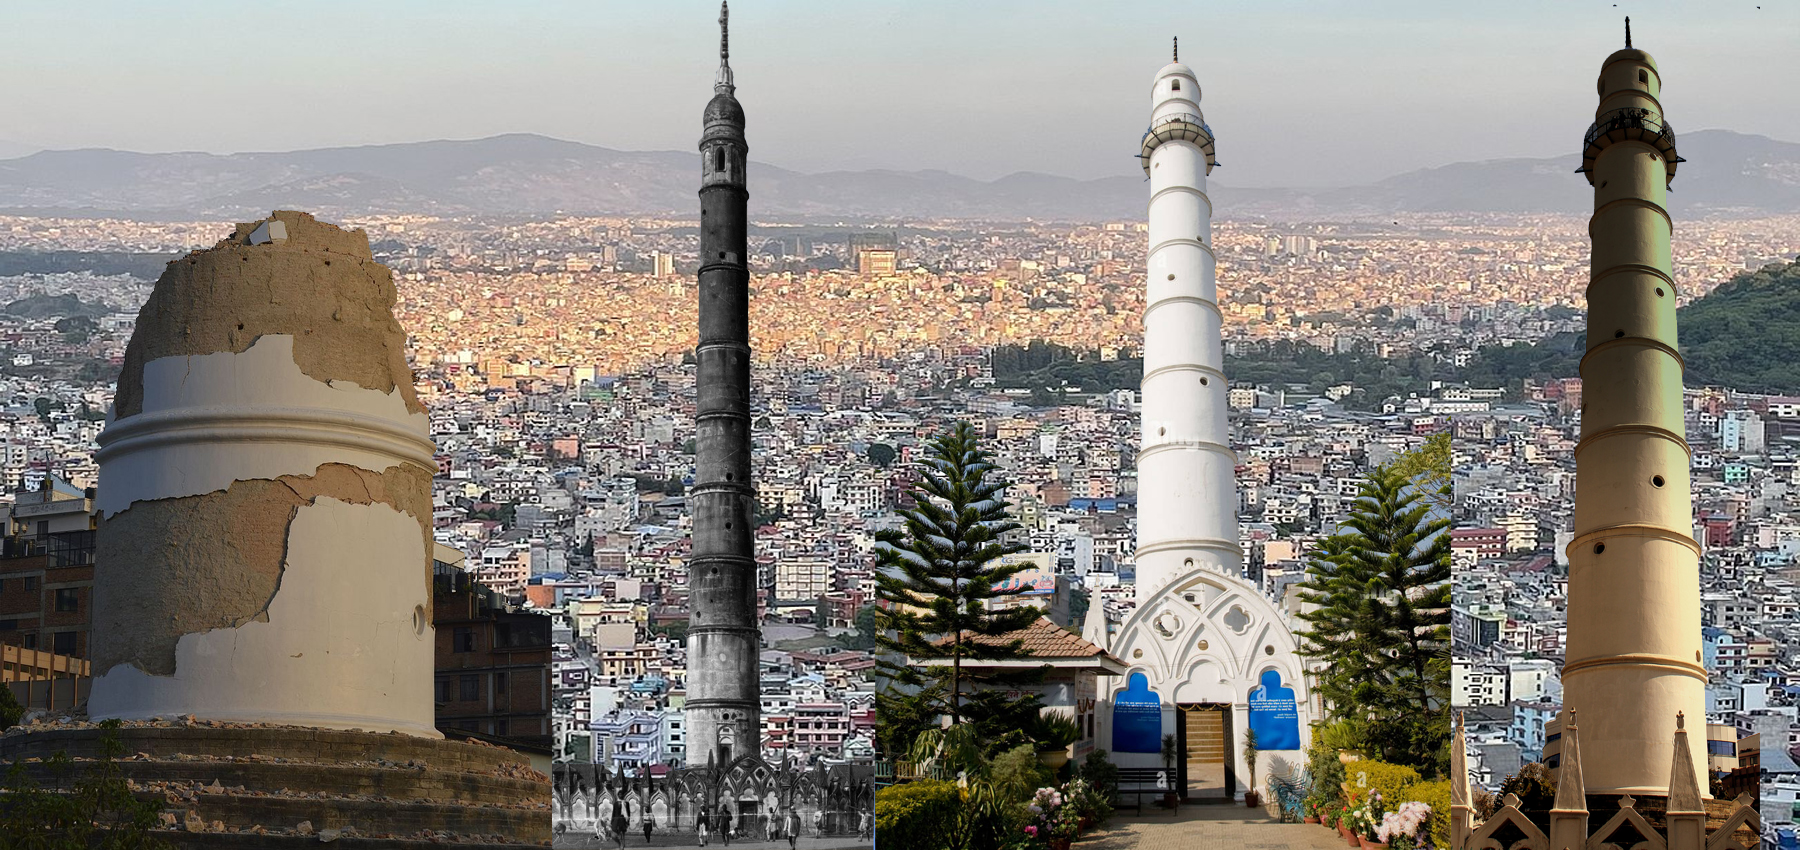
x=1633, y=658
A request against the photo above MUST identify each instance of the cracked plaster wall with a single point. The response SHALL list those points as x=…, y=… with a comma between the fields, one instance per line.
x=265, y=492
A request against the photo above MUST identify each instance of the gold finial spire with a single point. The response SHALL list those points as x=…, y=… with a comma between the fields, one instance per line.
x=1627, y=32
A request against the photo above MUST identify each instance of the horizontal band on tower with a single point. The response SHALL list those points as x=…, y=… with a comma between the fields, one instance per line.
x=1634, y=428
x=724, y=266
x=1641, y=659
x=1179, y=367
x=727, y=344
x=1628, y=201
x=1622, y=268
x=1629, y=341
x=722, y=559
x=727, y=487
x=1629, y=529
x=728, y=413
x=722, y=702
x=1189, y=299
x=306, y=425
x=1211, y=544
x=1164, y=446
x=1182, y=240
x=1183, y=188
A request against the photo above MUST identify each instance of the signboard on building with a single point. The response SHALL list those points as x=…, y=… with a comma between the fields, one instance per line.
x=1137, y=718
x=1273, y=715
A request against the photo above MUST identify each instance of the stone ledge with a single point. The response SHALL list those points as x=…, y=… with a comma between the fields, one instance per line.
x=300, y=744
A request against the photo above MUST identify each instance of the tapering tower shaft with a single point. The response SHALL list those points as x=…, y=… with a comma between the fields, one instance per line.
x=1633, y=657
x=723, y=704
x=1187, y=503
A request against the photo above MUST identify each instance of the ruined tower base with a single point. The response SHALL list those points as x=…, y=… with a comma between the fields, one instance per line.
x=243, y=786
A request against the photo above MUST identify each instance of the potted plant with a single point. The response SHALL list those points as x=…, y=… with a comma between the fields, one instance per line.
x=1312, y=811
x=1250, y=794
x=1053, y=820
x=1169, y=751
x=1081, y=796
x=1065, y=829
x=1365, y=822
x=1053, y=733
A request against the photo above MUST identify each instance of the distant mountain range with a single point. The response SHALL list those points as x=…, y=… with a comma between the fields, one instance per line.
x=521, y=174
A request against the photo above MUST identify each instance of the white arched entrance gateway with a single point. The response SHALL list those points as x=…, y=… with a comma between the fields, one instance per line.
x=1202, y=644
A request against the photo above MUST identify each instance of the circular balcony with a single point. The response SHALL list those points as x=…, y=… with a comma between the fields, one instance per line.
x=1629, y=123
x=1183, y=126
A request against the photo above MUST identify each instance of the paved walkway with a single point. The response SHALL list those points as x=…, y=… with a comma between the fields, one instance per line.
x=1204, y=827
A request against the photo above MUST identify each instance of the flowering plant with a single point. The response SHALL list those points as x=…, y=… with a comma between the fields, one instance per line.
x=1400, y=828
x=1048, y=811
x=1365, y=816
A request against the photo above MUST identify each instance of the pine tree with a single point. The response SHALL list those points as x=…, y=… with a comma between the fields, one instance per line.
x=938, y=575
x=1382, y=628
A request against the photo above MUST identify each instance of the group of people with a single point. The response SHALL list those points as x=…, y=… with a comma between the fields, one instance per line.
x=722, y=821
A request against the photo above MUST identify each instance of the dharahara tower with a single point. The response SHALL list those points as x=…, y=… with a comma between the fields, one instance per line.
x=723, y=708
x=1633, y=658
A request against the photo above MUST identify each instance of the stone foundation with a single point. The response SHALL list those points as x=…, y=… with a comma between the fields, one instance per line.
x=243, y=786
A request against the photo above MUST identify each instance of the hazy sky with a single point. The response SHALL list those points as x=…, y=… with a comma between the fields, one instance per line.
x=1300, y=94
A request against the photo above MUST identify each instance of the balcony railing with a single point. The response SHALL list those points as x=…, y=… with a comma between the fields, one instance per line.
x=1633, y=123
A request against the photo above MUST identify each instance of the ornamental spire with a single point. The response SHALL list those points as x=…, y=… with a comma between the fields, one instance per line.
x=1176, y=50
x=724, y=83
x=1627, y=32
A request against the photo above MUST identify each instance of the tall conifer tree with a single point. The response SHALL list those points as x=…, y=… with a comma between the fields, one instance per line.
x=939, y=575
x=1382, y=628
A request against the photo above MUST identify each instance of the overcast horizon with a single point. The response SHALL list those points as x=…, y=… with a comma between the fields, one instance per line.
x=1295, y=92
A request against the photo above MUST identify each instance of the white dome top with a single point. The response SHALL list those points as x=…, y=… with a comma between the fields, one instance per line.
x=1190, y=84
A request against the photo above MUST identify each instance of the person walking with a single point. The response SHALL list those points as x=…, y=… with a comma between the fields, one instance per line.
x=725, y=823
x=649, y=825
x=700, y=824
x=792, y=828
x=619, y=825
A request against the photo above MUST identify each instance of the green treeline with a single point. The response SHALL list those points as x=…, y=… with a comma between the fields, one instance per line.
x=1744, y=335
x=1043, y=364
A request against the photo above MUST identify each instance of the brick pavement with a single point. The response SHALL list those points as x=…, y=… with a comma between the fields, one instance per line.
x=1205, y=827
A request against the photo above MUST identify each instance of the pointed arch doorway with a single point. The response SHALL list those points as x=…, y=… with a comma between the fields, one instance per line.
x=1203, y=737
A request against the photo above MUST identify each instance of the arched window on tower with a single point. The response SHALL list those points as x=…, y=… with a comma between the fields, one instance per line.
x=1174, y=85
x=719, y=158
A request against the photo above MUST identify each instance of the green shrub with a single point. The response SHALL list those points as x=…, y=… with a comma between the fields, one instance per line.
x=918, y=814
x=1101, y=773
x=1324, y=771
x=1017, y=773
x=1437, y=796
x=1388, y=780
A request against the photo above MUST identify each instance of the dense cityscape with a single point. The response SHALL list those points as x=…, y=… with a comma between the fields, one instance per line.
x=551, y=357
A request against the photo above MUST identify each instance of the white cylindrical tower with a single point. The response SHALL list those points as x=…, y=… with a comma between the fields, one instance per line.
x=1187, y=504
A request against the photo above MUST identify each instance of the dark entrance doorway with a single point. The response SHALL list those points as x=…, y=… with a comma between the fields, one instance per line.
x=1204, y=767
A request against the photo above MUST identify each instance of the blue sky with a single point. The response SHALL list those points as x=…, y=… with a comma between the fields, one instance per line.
x=1301, y=94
